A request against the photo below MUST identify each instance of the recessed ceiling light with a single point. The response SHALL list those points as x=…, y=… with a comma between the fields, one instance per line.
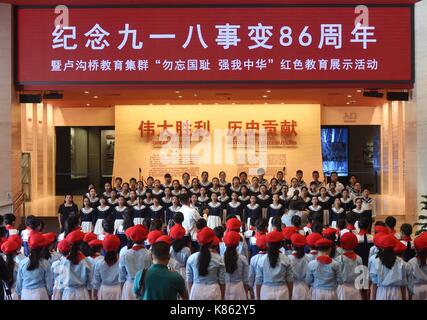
x=179, y=96
x=282, y=103
x=95, y=97
x=233, y=103
x=348, y=103
x=87, y=104
x=195, y=95
x=358, y=90
x=86, y=92
x=268, y=91
x=265, y=103
x=265, y=96
x=177, y=91
x=349, y=96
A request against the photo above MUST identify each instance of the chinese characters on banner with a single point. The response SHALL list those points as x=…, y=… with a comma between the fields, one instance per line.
x=285, y=130
x=215, y=44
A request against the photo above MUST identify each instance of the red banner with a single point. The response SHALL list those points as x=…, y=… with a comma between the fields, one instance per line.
x=212, y=44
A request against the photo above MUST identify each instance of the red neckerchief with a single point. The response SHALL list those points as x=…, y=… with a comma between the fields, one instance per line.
x=251, y=228
x=350, y=254
x=80, y=256
x=137, y=248
x=313, y=252
x=9, y=227
x=362, y=232
x=350, y=227
x=324, y=259
x=407, y=238
x=309, y=225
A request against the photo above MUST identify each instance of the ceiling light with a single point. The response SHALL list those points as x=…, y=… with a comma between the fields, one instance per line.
x=358, y=90
x=179, y=96
x=348, y=103
x=87, y=104
x=86, y=92
x=349, y=96
x=95, y=97
x=268, y=91
x=195, y=95
x=177, y=91
x=265, y=96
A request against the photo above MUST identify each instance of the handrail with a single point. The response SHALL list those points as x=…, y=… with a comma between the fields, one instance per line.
x=18, y=202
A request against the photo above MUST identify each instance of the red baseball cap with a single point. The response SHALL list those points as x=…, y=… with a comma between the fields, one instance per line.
x=74, y=237
x=324, y=243
x=10, y=246
x=165, y=239
x=205, y=236
x=312, y=238
x=348, y=241
x=233, y=224
x=111, y=243
x=177, y=232
x=298, y=240
x=89, y=237
x=231, y=238
x=288, y=232
x=64, y=247
x=153, y=235
x=274, y=236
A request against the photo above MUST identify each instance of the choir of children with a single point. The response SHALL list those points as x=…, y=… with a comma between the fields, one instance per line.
x=235, y=241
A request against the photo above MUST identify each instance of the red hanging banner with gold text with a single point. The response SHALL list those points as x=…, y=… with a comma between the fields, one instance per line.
x=150, y=45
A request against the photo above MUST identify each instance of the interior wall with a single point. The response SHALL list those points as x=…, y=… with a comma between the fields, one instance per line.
x=37, y=139
x=420, y=102
x=82, y=117
x=10, y=148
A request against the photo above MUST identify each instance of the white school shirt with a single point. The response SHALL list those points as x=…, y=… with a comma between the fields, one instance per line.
x=191, y=216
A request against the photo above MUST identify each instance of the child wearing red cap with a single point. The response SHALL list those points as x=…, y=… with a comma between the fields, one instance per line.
x=274, y=273
x=106, y=284
x=331, y=234
x=10, y=249
x=299, y=262
x=418, y=281
x=388, y=273
x=261, y=243
x=205, y=270
x=261, y=229
x=133, y=259
x=234, y=224
x=34, y=279
x=179, y=251
x=311, y=243
x=236, y=269
x=323, y=273
x=349, y=263
x=76, y=270
x=57, y=270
